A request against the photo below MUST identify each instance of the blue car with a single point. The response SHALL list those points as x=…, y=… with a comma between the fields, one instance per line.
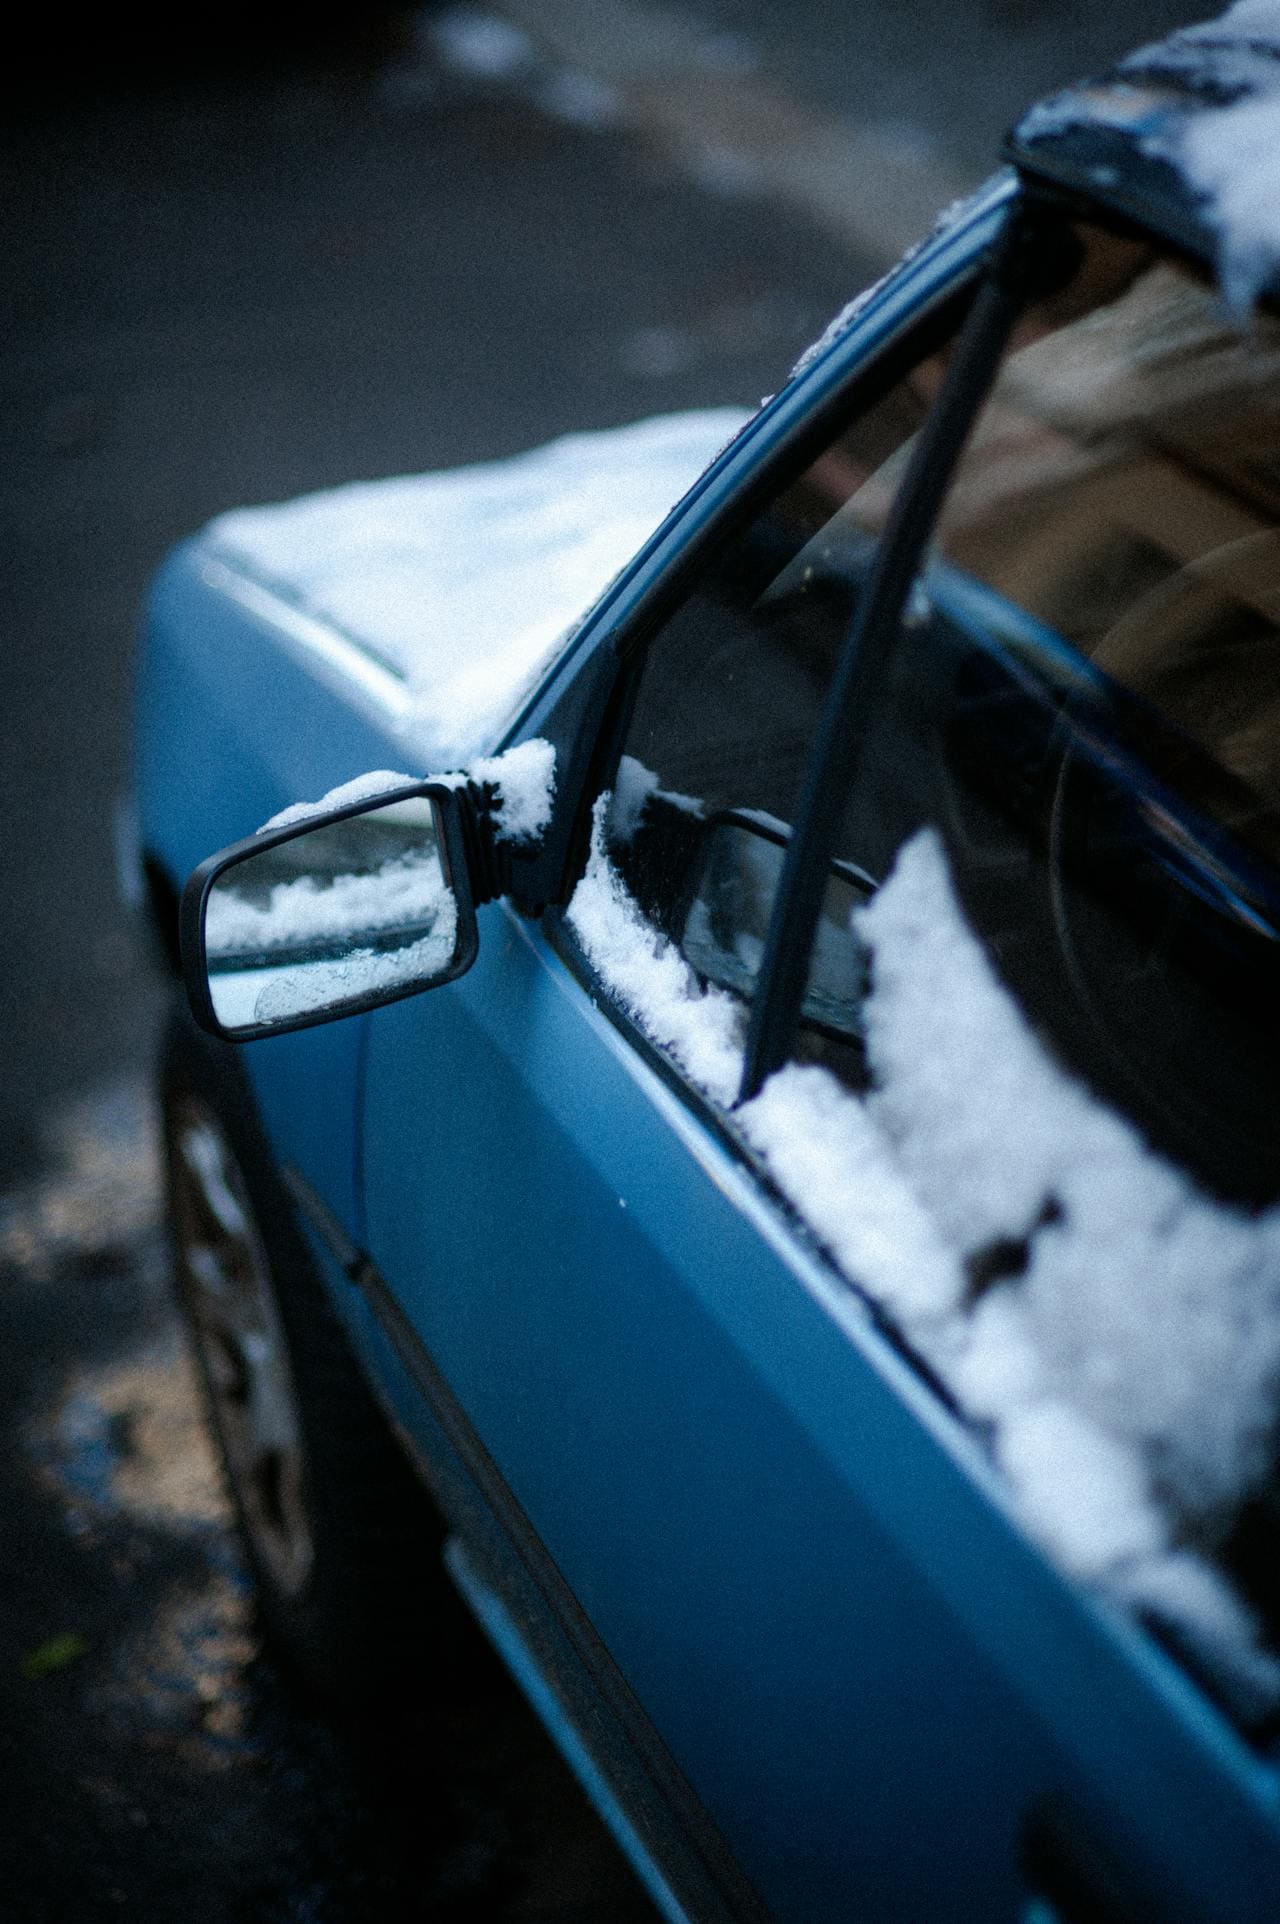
x=818, y=1242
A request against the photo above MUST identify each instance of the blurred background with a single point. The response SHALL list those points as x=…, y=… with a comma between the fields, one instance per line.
x=243, y=259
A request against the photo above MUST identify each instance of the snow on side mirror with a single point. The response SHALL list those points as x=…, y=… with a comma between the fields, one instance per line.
x=331, y=915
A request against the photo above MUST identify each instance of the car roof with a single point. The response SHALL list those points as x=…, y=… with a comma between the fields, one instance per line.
x=1121, y=142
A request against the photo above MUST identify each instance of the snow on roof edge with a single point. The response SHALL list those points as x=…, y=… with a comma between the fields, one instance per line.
x=1224, y=141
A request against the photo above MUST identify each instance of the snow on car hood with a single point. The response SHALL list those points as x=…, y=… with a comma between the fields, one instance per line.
x=468, y=582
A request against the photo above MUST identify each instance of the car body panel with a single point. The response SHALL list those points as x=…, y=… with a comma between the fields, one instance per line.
x=624, y=1254
x=742, y=1483
x=616, y=1352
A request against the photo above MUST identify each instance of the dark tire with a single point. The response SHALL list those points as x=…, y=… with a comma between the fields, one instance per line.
x=342, y=1540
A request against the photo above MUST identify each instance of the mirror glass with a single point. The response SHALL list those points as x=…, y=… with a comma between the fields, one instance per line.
x=339, y=916
x=728, y=921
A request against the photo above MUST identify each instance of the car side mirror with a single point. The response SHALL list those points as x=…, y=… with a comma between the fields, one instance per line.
x=736, y=877
x=331, y=916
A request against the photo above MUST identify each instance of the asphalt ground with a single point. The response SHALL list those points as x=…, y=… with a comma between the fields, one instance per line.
x=232, y=272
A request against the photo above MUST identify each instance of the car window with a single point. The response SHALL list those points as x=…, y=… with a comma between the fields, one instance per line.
x=1123, y=488
x=1067, y=797
x=1039, y=1042
x=1085, y=702
x=725, y=706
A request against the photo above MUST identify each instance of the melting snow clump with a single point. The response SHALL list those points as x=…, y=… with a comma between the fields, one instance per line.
x=634, y=786
x=524, y=782
x=702, y=1028
x=1230, y=154
x=1233, y=157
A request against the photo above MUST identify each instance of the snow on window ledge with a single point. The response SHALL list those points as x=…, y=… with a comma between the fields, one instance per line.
x=701, y=1028
x=1127, y=1377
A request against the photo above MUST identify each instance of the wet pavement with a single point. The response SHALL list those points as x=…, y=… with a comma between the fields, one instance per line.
x=153, y=1761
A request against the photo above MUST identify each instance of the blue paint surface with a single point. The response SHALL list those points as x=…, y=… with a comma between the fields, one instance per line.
x=822, y=1610
x=795, y=1558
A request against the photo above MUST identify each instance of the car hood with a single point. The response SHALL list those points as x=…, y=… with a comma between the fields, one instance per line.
x=466, y=583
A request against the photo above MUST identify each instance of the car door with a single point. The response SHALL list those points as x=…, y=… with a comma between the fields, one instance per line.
x=795, y=1576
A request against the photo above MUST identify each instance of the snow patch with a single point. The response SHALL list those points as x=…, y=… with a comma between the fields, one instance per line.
x=1232, y=158
x=1141, y=1299
x=826, y=1153
x=1083, y=1494
x=524, y=780
x=470, y=581
x=702, y=1029
x=633, y=789
x=1227, y=148
x=1198, y=1610
x=362, y=788
x=1125, y=1365
x=1230, y=154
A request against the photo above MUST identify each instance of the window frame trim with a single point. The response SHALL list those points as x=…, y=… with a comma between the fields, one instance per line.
x=870, y=376
x=1012, y=259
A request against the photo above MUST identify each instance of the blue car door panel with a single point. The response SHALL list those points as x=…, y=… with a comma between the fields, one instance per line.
x=869, y=1678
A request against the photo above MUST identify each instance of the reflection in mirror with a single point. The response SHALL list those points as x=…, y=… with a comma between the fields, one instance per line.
x=728, y=920
x=341, y=915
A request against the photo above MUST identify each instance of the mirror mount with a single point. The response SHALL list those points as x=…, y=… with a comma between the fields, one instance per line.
x=341, y=911
x=488, y=856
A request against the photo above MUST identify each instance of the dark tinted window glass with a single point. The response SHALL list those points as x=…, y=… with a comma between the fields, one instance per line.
x=1085, y=700
x=1073, y=756
x=727, y=706
x=1124, y=489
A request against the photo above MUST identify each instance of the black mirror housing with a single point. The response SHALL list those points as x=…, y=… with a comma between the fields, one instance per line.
x=335, y=914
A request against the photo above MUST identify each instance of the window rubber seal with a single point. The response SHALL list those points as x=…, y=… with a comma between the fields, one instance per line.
x=1016, y=260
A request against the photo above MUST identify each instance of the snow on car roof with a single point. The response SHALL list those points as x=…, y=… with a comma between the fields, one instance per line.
x=468, y=582
x=1184, y=133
